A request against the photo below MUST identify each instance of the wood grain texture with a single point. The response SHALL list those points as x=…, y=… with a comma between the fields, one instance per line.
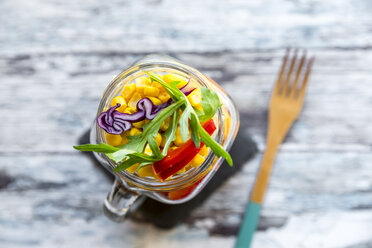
x=57, y=57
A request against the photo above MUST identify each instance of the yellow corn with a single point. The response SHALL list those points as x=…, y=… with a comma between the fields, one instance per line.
x=128, y=91
x=147, y=150
x=164, y=126
x=142, y=83
x=195, y=98
x=197, y=160
x=134, y=99
x=121, y=101
x=204, y=151
x=139, y=124
x=151, y=91
x=129, y=110
x=164, y=96
x=157, y=85
x=168, y=78
x=124, y=140
x=133, y=168
x=155, y=100
x=134, y=131
x=158, y=139
x=178, y=141
x=163, y=140
x=113, y=140
x=146, y=171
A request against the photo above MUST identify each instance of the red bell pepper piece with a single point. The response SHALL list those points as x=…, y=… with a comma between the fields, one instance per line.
x=180, y=157
x=182, y=193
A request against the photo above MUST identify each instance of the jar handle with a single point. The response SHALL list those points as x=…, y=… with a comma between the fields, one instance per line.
x=120, y=201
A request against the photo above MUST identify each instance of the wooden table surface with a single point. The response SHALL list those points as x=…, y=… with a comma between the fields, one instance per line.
x=56, y=57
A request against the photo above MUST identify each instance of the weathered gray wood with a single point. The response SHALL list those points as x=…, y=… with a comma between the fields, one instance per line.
x=57, y=57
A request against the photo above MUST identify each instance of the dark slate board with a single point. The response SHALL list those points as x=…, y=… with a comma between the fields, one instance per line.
x=167, y=216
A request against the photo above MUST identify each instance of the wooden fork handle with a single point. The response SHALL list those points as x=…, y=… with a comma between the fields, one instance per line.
x=263, y=176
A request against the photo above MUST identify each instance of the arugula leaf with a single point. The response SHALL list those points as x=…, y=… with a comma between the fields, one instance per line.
x=154, y=148
x=195, y=130
x=184, y=124
x=216, y=148
x=171, y=89
x=210, y=103
x=102, y=147
x=134, y=158
x=170, y=133
x=138, y=142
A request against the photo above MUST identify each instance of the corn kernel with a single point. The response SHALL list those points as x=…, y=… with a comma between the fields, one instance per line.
x=197, y=160
x=124, y=140
x=139, y=124
x=165, y=125
x=121, y=101
x=146, y=171
x=147, y=150
x=168, y=78
x=128, y=91
x=155, y=100
x=133, y=168
x=113, y=140
x=151, y=91
x=163, y=140
x=143, y=80
x=178, y=141
x=195, y=98
x=158, y=139
x=129, y=110
x=204, y=151
x=164, y=97
x=134, y=99
x=157, y=85
x=134, y=131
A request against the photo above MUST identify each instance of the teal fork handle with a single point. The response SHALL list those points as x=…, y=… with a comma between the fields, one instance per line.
x=249, y=225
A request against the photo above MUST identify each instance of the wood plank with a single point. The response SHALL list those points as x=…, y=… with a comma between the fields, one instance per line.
x=52, y=106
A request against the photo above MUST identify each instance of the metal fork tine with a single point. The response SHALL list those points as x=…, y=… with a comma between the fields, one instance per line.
x=293, y=88
x=280, y=76
x=306, y=78
x=289, y=74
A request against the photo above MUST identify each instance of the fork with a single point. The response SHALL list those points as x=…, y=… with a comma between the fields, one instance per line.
x=285, y=106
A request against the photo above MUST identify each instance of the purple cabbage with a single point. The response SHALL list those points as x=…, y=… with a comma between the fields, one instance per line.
x=114, y=122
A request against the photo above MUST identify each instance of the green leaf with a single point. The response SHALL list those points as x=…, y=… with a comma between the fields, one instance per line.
x=154, y=148
x=216, y=148
x=170, y=133
x=184, y=124
x=102, y=147
x=134, y=158
x=137, y=143
x=210, y=103
x=195, y=136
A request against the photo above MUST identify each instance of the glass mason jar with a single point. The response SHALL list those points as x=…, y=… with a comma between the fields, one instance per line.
x=128, y=188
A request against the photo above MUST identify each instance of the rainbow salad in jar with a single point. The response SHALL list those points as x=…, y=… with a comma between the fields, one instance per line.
x=160, y=126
